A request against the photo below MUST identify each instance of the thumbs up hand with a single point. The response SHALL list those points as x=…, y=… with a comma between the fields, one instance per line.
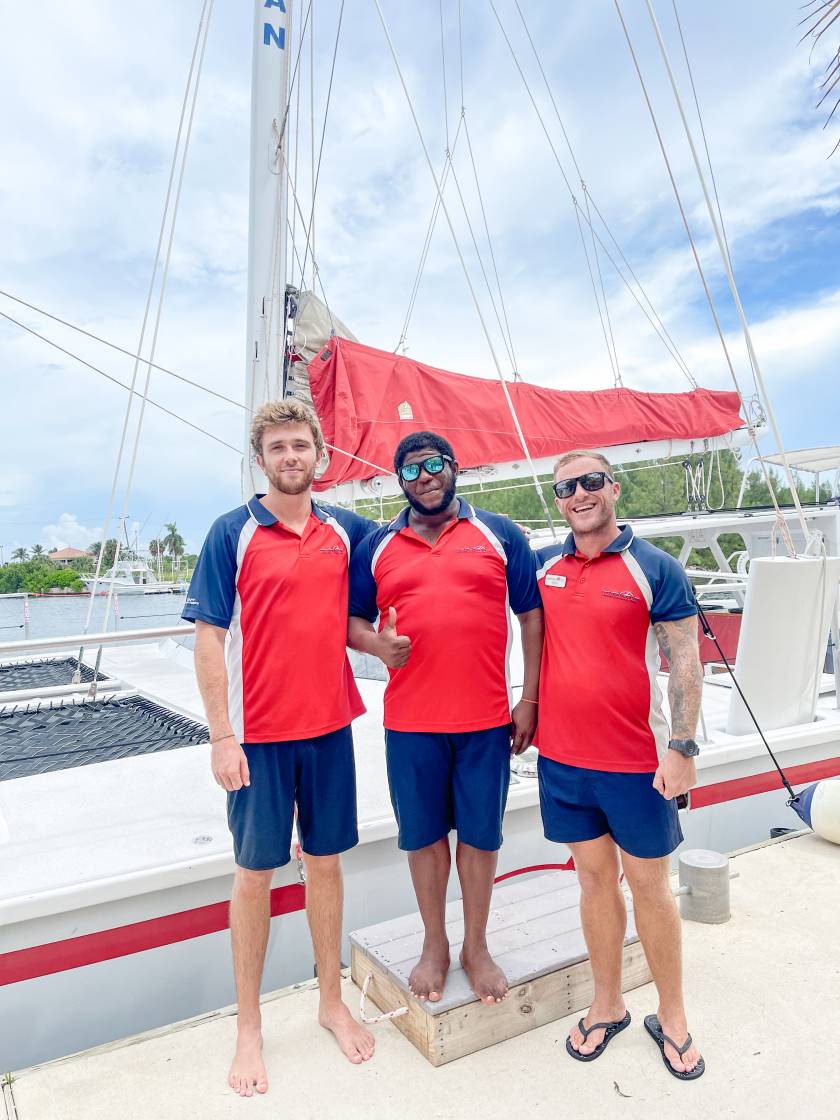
x=393, y=649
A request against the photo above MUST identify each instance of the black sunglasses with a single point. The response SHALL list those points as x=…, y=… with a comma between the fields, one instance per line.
x=410, y=472
x=592, y=480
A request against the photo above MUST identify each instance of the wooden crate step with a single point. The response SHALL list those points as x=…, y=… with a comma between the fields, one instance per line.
x=534, y=935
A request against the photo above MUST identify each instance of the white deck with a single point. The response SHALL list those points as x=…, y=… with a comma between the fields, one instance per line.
x=764, y=1003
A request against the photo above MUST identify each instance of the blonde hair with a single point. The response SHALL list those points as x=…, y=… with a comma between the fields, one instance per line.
x=570, y=456
x=288, y=411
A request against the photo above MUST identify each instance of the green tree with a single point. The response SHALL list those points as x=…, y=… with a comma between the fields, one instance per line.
x=109, y=554
x=20, y=554
x=37, y=551
x=173, y=542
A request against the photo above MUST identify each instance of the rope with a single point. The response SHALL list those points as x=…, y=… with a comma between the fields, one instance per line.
x=443, y=71
x=447, y=164
x=733, y=287
x=519, y=432
x=664, y=338
x=709, y=633
x=783, y=526
x=149, y=294
x=511, y=350
x=317, y=173
x=159, y=312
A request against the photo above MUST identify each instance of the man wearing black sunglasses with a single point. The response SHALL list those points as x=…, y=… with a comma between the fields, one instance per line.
x=441, y=576
x=609, y=768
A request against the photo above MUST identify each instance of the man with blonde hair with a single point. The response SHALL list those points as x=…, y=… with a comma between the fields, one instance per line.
x=610, y=769
x=269, y=602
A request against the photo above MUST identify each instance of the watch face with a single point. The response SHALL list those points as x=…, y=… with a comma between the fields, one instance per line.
x=686, y=747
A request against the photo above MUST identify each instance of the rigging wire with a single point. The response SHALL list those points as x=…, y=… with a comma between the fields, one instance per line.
x=128, y=388
x=310, y=233
x=136, y=369
x=161, y=295
x=663, y=336
x=415, y=288
x=783, y=526
x=515, y=418
x=735, y=294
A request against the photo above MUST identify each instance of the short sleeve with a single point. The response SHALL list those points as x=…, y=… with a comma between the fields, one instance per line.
x=673, y=595
x=212, y=592
x=521, y=571
x=362, y=602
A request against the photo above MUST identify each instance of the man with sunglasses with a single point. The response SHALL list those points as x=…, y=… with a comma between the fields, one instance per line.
x=609, y=769
x=440, y=577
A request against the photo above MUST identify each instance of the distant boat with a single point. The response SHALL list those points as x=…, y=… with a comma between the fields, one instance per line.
x=131, y=577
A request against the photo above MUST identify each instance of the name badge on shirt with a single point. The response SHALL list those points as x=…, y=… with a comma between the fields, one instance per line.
x=555, y=581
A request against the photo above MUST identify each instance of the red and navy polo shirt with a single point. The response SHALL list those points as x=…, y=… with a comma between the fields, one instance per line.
x=600, y=703
x=283, y=600
x=452, y=600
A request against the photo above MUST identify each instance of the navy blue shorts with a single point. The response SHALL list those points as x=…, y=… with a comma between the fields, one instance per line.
x=440, y=781
x=320, y=775
x=579, y=804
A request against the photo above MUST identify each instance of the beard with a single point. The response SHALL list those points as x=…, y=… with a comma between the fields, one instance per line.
x=286, y=486
x=445, y=501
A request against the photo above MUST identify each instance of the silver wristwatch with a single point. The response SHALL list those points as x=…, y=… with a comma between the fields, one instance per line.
x=686, y=747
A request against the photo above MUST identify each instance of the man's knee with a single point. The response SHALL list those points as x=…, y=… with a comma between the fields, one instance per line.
x=322, y=867
x=648, y=879
x=597, y=867
x=252, y=884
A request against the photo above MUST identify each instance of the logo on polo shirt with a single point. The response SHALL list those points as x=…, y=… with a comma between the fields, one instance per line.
x=332, y=548
x=192, y=602
x=472, y=548
x=628, y=596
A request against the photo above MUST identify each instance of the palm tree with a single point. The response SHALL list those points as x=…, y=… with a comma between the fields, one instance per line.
x=173, y=542
x=20, y=554
x=823, y=15
x=38, y=551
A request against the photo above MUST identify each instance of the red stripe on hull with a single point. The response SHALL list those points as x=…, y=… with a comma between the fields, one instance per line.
x=106, y=945
x=737, y=788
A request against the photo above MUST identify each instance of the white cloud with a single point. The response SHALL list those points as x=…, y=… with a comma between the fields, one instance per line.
x=68, y=532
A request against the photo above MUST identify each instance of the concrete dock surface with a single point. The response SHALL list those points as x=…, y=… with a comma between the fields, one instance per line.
x=763, y=994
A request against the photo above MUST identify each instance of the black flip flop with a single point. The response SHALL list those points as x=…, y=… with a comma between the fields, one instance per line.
x=610, y=1029
x=654, y=1029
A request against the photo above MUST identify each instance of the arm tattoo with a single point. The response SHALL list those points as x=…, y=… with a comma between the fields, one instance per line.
x=678, y=642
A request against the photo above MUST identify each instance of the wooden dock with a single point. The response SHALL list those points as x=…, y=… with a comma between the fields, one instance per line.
x=533, y=933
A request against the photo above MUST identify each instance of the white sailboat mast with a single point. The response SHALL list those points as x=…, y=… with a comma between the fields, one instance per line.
x=267, y=218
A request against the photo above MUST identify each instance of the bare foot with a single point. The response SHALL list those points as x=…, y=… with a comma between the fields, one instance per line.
x=247, y=1071
x=598, y=1013
x=675, y=1027
x=486, y=978
x=356, y=1042
x=429, y=974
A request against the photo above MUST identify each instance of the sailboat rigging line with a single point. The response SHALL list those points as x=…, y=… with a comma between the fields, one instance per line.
x=516, y=374
x=709, y=633
x=310, y=233
x=135, y=392
x=461, y=52
x=112, y=346
x=505, y=339
x=664, y=337
x=443, y=206
x=135, y=371
x=733, y=287
x=616, y=365
x=576, y=208
x=705, y=144
x=160, y=300
x=782, y=526
x=443, y=71
x=424, y=253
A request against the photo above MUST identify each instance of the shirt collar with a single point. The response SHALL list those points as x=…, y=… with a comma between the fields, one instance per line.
x=621, y=543
x=465, y=512
x=265, y=517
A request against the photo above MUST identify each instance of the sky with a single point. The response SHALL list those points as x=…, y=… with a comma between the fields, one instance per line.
x=92, y=94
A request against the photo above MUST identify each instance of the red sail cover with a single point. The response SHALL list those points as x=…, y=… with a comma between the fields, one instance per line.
x=367, y=400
